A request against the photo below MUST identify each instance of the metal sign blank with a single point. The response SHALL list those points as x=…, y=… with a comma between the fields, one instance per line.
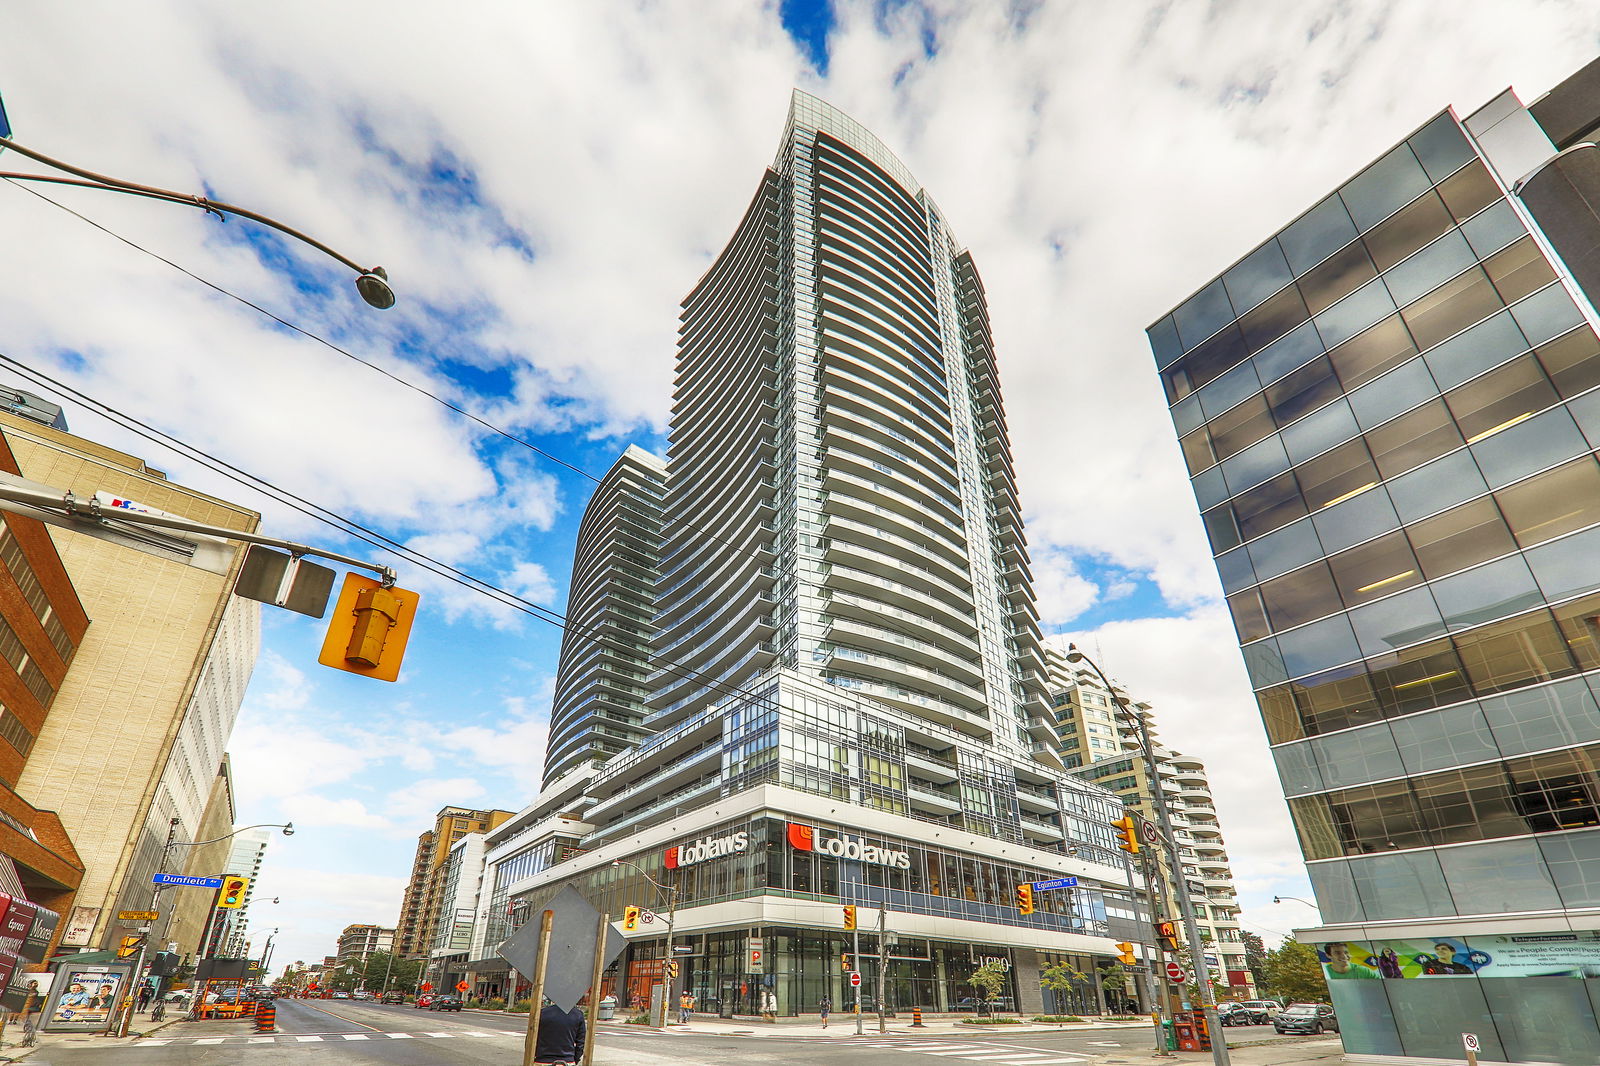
x=262, y=576
x=571, y=946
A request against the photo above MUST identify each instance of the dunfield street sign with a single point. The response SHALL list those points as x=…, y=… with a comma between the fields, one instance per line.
x=137, y=916
x=186, y=881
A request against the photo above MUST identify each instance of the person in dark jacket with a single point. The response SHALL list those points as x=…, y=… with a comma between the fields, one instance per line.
x=560, y=1035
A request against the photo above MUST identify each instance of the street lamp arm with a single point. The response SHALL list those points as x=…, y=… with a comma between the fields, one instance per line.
x=1297, y=899
x=372, y=282
x=287, y=827
x=661, y=887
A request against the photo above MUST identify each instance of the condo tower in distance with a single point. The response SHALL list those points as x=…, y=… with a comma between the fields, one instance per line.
x=1390, y=412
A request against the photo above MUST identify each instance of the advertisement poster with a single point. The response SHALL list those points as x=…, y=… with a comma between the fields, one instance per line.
x=80, y=925
x=1555, y=954
x=84, y=998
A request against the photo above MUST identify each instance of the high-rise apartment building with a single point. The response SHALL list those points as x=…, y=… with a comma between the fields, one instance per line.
x=847, y=701
x=1099, y=744
x=1390, y=413
x=604, y=672
x=359, y=941
x=138, y=726
x=419, y=907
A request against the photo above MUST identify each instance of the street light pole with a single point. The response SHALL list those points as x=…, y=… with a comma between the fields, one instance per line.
x=371, y=282
x=1180, y=883
x=670, y=960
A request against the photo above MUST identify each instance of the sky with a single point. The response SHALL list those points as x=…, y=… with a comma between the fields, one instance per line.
x=544, y=182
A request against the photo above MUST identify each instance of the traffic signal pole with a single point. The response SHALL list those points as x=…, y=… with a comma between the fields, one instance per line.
x=1180, y=883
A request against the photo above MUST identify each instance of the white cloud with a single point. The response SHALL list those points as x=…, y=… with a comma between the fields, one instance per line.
x=532, y=582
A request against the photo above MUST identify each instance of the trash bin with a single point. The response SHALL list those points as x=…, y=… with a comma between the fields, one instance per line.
x=1170, y=1034
x=725, y=1007
x=608, y=1008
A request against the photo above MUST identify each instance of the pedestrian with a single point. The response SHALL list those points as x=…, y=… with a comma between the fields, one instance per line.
x=560, y=1036
x=685, y=1007
x=769, y=1005
x=824, y=1005
x=145, y=995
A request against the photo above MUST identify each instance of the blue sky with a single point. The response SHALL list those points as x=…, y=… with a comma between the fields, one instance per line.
x=544, y=183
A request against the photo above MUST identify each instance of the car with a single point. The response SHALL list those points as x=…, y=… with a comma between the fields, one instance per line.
x=394, y=997
x=424, y=999
x=341, y=995
x=445, y=1003
x=1266, y=1006
x=1306, y=1018
x=1240, y=1014
x=363, y=995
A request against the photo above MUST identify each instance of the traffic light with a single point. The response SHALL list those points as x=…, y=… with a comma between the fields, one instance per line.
x=849, y=917
x=1167, y=935
x=1125, y=954
x=1128, y=833
x=844, y=962
x=1025, y=898
x=630, y=918
x=233, y=889
x=129, y=947
x=370, y=626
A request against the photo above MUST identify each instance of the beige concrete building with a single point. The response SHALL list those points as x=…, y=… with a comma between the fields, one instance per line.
x=191, y=909
x=420, y=906
x=136, y=735
x=1102, y=746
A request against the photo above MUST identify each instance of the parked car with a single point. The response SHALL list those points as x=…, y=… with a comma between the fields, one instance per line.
x=394, y=997
x=1269, y=1007
x=341, y=995
x=424, y=999
x=1240, y=1014
x=363, y=995
x=445, y=1003
x=1306, y=1018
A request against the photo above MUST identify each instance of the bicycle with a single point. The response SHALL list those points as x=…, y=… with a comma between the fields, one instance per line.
x=159, y=1010
x=30, y=1035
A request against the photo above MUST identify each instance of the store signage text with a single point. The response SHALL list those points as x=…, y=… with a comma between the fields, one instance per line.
x=707, y=848
x=805, y=838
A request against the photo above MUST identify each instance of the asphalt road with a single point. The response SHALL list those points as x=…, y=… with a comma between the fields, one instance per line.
x=339, y=1032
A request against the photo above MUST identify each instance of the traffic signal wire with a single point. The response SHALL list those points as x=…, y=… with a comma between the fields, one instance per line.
x=487, y=588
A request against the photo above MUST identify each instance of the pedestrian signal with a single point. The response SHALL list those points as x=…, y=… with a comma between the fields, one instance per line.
x=129, y=947
x=849, y=918
x=1167, y=934
x=1125, y=954
x=370, y=626
x=233, y=890
x=1128, y=834
x=630, y=918
x=844, y=962
x=1025, y=898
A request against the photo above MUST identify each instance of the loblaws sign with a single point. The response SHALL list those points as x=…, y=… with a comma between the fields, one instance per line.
x=706, y=848
x=807, y=838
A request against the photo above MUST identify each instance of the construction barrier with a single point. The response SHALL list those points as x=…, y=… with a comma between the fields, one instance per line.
x=247, y=1009
x=916, y=1018
x=267, y=1017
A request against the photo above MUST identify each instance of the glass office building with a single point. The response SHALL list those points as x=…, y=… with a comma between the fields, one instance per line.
x=1390, y=412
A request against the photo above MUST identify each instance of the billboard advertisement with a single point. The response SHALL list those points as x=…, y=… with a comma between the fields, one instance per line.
x=1554, y=954
x=83, y=998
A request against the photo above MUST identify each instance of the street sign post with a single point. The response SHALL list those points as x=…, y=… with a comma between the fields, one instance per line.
x=855, y=978
x=1472, y=1045
x=1059, y=882
x=572, y=940
x=462, y=986
x=1175, y=973
x=186, y=881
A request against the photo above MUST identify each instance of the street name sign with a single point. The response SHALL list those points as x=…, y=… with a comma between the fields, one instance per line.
x=1059, y=882
x=186, y=881
x=138, y=916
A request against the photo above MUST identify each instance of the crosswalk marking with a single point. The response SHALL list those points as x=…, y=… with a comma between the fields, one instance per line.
x=355, y=1036
x=398, y=1036
x=303, y=1039
x=441, y=1036
x=211, y=1040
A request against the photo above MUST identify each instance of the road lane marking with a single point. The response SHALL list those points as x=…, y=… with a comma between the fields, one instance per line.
x=441, y=1036
x=340, y=1017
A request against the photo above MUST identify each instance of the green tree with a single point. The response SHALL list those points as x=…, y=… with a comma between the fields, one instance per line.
x=1061, y=978
x=1114, y=978
x=1255, y=959
x=403, y=975
x=988, y=979
x=1293, y=972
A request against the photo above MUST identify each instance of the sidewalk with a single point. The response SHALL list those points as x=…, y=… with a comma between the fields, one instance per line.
x=844, y=1025
x=1267, y=1051
x=12, y=1051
